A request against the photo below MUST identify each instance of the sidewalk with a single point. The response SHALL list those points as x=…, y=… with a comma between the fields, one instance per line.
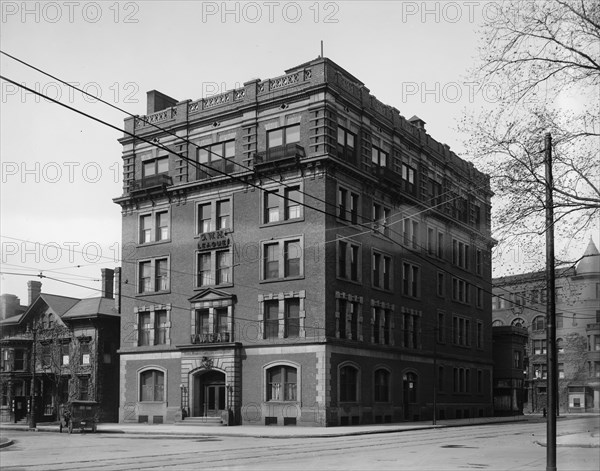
x=584, y=439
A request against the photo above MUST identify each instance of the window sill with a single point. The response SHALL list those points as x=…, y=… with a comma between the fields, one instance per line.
x=223, y=285
x=154, y=242
x=349, y=280
x=279, y=223
x=153, y=293
x=275, y=280
x=383, y=290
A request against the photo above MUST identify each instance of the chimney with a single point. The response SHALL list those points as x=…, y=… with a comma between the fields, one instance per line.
x=9, y=305
x=108, y=277
x=118, y=289
x=34, y=289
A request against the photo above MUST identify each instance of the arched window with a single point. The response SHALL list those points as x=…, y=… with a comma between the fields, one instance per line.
x=152, y=386
x=282, y=383
x=410, y=387
x=518, y=322
x=539, y=323
x=348, y=384
x=382, y=385
x=497, y=323
x=560, y=348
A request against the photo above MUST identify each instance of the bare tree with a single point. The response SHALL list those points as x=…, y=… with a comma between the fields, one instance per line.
x=545, y=57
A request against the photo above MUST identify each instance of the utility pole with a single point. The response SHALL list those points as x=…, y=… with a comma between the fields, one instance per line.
x=552, y=385
x=32, y=422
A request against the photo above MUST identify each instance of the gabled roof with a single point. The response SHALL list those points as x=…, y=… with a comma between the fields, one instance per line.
x=58, y=304
x=92, y=307
x=67, y=308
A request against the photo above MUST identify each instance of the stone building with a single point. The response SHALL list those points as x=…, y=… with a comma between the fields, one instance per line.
x=72, y=344
x=520, y=300
x=299, y=253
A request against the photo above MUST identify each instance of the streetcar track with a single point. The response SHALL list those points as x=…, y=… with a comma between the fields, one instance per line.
x=240, y=454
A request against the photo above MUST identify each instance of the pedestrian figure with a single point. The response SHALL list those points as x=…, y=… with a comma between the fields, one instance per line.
x=544, y=411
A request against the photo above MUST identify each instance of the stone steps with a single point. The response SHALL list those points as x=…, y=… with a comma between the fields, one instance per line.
x=203, y=421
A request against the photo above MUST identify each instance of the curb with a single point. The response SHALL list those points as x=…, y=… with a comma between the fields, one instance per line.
x=6, y=442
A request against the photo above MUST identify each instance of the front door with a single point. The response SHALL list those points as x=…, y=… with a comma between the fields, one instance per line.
x=214, y=400
x=209, y=396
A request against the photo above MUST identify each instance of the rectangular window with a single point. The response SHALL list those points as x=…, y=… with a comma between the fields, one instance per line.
x=460, y=290
x=145, y=228
x=223, y=214
x=160, y=332
x=379, y=157
x=204, y=218
x=348, y=261
x=283, y=136
x=479, y=381
x=271, y=319
x=162, y=275
x=203, y=327
x=440, y=328
x=282, y=259
x=144, y=328
x=343, y=313
x=64, y=354
x=479, y=262
x=431, y=240
x=382, y=271
x=221, y=319
x=461, y=331
x=162, y=226
x=153, y=275
x=204, y=270
x=381, y=219
x=84, y=388
x=145, y=277
x=410, y=330
x=408, y=179
x=223, y=268
x=517, y=359
x=346, y=145
x=271, y=261
x=479, y=334
x=155, y=167
x=348, y=203
x=292, y=318
x=282, y=205
x=214, y=268
x=411, y=281
x=216, y=159
x=460, y=254
x=561, y=371
x=293, y=208
x=292, y=258
x=479, y=298
x=216, y=215
x=84, y=350
x=271, y=207
x=441, y=284
x=440, y=245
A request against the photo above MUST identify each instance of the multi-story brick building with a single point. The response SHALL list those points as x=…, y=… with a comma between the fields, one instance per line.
x=297, y=252
x=520, y=300
x=66, y=346
x=509, y=346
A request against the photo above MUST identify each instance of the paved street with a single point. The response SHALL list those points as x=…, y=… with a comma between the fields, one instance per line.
x=509, y=446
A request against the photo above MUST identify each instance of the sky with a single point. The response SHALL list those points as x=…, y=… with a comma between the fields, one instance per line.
x=61, y=170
